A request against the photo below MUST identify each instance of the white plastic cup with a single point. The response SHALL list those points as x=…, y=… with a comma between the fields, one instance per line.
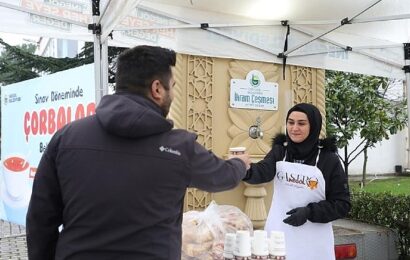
x=277, y=245
x=243, y=244
x=15, y=173
x=237, y=150
x=260, y=243
x=229, y=245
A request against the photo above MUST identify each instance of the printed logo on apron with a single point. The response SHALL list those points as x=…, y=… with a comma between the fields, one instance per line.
x=297, y=180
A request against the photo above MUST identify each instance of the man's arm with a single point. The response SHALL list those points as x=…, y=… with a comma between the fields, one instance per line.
x=210, y=173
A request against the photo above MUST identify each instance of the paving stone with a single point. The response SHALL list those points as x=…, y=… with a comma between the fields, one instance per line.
x=12, y=241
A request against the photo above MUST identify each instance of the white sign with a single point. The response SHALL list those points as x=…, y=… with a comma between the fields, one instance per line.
x=31, y=112
x=254, y=92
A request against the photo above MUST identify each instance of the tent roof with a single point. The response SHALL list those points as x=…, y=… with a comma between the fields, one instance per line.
x=369, y=42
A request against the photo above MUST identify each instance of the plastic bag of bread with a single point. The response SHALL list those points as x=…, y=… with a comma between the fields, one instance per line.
x=203, y=232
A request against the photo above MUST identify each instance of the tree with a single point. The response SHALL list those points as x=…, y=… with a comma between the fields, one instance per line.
x=18, y=63
x=10, y=69
x=358, y=105
x=113, y=53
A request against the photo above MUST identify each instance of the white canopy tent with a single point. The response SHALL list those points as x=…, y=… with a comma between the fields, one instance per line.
x=366, y=36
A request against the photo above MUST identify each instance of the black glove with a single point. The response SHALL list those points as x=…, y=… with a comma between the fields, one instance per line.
x=298, y=216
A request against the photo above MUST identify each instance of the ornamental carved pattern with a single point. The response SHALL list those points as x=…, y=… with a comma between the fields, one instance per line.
x=242, y=119
x=178, y=108
x=308, y=87
x=199, y=116
x=199, y=110
x=196, y=199
x=301, y=83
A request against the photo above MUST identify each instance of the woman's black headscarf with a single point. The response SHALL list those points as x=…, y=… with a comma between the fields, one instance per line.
x=307, y=149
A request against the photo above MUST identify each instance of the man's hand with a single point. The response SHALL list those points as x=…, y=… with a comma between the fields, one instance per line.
x=298, y=216
x=244, y=157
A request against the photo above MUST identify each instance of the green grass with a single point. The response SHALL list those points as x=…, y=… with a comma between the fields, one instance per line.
x=398, y=185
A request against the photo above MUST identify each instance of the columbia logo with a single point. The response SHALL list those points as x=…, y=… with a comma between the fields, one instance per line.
x=169, y=150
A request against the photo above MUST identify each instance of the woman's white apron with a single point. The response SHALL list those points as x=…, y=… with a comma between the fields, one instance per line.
x=296, y=185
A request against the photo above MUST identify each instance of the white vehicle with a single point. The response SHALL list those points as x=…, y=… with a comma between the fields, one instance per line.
x=361, y=241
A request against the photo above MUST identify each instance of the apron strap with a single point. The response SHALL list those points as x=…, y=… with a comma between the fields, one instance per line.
x=318, y=153
x=285, y=144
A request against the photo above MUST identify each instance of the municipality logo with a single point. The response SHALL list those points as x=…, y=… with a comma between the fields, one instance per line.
x=255, y=80
x=169, y=150
x=11, y=98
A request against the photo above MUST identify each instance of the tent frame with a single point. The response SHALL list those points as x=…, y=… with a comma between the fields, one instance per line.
x=406, y=69
x=100, y=54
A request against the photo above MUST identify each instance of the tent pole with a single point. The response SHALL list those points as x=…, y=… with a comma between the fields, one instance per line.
x=381, y=18
x=205, y=26
x=97, y=68
x=96, y=28
x=406, y=69
x=344, y=47
x=198, y=25
x=104, y=68
x=320, y=35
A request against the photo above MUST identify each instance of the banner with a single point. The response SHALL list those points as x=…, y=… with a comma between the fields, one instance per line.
x=31, y=112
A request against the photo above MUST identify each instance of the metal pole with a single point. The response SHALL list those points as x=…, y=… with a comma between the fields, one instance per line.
x=104, y=68
x=406, y=69
x=97, y=68
x=96, y=28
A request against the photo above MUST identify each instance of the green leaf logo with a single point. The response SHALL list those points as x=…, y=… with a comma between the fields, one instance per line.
x=255, y=81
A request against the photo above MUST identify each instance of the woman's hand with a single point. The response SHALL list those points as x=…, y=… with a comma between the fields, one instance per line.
x=298, y=216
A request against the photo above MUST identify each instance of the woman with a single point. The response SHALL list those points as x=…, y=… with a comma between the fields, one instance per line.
x=310, y=186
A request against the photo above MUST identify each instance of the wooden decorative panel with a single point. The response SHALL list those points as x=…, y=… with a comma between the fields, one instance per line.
x=199, y=116
x=199, y=113
x=301, y=83
x=178, y=109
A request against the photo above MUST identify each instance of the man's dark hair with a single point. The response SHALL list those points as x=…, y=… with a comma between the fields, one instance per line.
x=138, y=67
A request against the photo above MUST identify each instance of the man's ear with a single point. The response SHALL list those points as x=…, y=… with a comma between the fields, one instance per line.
x=156, y=90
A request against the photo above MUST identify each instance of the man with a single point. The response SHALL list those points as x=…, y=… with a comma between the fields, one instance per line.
x=116, y=181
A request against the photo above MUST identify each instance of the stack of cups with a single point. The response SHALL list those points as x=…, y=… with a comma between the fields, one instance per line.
x=243, y=245
x=229, y=246
x=277, y=245
x=260, y=245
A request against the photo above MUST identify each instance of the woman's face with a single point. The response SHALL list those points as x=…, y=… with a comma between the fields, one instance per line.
x=297, y=126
